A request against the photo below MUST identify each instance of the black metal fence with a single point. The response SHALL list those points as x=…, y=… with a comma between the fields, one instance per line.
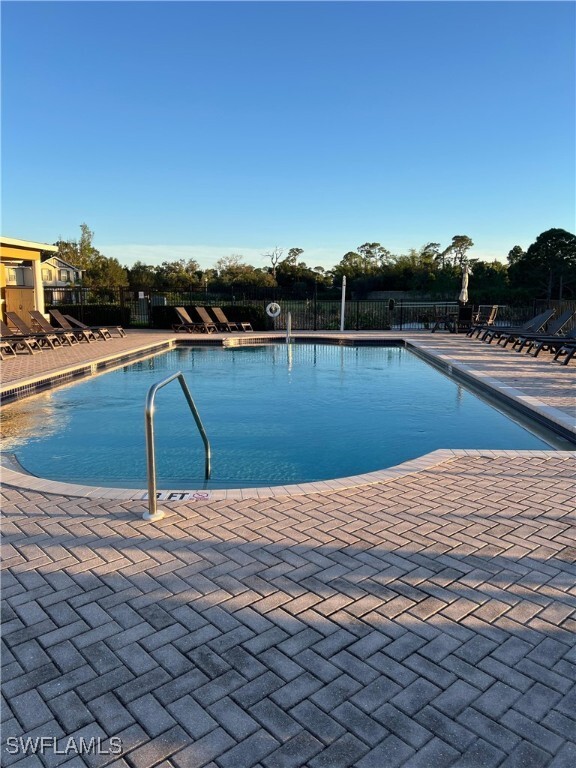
x=560, y=306
x=137, y=309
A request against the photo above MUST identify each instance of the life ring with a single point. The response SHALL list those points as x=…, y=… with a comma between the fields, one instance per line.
x=273, y=309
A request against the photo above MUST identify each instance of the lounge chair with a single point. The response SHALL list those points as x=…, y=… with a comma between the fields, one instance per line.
x=206, y=325
x=553, y=329
x=45, y=340
x=102, y=330
x=484, y=319
x=512, y=336
x=186, y=323
x=222, y=322
x=68, y=336
x=568, y=349
x=230, y=325
x=17, y=341
x=206, y=322
x=6, y=348
x=531, y=326
x=552, y=343
x=81, y=334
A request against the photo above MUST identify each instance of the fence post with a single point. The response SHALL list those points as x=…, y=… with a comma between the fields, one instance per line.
x=316, y=304
x=401, y=312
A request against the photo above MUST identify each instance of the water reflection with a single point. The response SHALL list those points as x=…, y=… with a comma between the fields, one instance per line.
x=35, y=418
x=274, y=414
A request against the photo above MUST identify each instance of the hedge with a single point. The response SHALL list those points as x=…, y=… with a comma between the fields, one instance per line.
x=95, y=314
x=166, y=317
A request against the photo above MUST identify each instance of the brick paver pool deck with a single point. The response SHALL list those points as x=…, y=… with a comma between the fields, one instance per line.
x=422, y=621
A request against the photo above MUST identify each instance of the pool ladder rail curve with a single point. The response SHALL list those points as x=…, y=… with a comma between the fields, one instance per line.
x=153, y=513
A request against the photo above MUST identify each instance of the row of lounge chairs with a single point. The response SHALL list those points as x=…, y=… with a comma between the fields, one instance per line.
x=17, y=336
x=206, y=323
x=542, y=333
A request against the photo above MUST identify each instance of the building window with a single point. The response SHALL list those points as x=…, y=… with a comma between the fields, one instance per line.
x=65, y=275
x=47, y=275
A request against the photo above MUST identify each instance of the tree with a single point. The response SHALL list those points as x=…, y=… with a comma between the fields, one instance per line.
x=294, y=274
x=79, y=253
x=424, y=258
x=322, y=277
x=489, y=283
x=105, y=272
x=516, y=253
x=429, y=254
x=297, y=276
x=293, y=255
x=209, y=277
x=234, y=274
x=369, y=260
x=457, y=250
x=548, y=268
x=99, y=270
x=375, y=256
x=141, y=277
x=179, y=275
x=229, y=266
x=275, y=257
x=350, y=266
x=416, y=270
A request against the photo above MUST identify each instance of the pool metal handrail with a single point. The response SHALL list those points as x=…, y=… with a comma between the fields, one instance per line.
x=153, y=512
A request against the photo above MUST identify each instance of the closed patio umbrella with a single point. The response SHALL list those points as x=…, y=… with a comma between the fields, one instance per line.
x=463, y=298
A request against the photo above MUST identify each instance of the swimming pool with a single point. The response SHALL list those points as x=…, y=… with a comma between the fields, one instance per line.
x=275, y=415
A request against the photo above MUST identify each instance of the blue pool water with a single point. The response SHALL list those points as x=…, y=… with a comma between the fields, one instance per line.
x=274, y=415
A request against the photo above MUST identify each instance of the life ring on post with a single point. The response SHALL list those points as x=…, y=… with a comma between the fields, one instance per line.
x=273, y=309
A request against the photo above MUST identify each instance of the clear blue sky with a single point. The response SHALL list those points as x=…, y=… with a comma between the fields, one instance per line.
x=178, y=129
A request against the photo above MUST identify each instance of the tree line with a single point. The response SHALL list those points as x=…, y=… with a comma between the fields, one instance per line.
x=546, y=270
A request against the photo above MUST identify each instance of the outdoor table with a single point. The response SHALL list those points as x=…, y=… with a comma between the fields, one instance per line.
x=447, y=322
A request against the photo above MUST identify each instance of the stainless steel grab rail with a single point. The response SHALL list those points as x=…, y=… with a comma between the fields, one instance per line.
x=153, y=512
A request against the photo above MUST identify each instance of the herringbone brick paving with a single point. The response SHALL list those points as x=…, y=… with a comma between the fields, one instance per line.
x=426, y=621
x=23, y=366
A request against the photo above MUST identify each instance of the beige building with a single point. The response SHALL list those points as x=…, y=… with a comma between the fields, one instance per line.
x=57, y=273
x=21, y=286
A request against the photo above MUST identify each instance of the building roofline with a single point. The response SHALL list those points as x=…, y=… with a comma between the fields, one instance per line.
x=55, y=256
x=28, y=244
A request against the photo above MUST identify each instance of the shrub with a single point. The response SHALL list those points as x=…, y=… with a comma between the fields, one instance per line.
x=166, y=317
x=95, y=314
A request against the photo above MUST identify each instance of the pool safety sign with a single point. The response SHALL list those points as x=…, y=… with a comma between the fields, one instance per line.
x=181, y=496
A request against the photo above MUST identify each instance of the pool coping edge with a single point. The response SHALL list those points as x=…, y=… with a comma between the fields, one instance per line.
x=15, y=476
x=547, y=415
